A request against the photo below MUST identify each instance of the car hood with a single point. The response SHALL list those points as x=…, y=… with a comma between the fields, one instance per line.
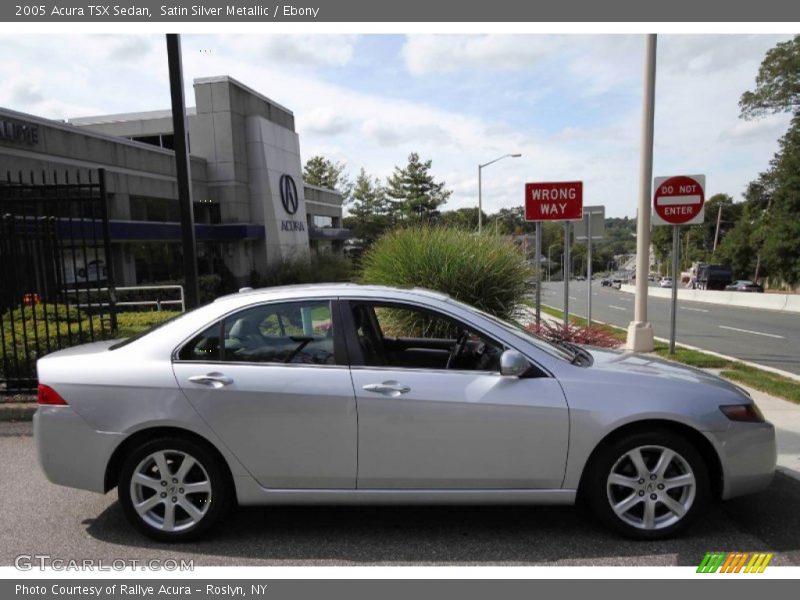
x=633, y=363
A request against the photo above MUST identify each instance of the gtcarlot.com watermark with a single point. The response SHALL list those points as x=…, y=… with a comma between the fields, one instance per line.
x=30, y=562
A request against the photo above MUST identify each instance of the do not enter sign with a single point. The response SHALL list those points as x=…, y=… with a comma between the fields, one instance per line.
x=679, y=200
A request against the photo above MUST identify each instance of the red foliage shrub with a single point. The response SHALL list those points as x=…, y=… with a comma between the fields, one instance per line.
x=590, y=336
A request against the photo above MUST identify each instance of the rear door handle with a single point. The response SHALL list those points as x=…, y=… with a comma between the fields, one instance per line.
x=387, y=388
x=215, y=380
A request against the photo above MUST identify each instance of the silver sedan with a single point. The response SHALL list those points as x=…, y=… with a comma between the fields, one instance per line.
x=353, y=394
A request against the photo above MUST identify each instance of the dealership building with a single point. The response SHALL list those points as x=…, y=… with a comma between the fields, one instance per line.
x=251, y=207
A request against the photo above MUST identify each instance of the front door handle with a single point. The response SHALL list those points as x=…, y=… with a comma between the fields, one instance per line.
x=215, y=380
x=388, y=388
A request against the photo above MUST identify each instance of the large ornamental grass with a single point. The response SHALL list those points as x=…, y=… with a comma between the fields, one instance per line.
x=487, y=272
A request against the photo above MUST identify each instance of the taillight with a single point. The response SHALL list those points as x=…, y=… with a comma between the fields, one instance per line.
x=743, y=412
x=48, y=395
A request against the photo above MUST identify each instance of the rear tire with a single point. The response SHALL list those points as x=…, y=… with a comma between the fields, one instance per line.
x=648, y=485
x=173, y=489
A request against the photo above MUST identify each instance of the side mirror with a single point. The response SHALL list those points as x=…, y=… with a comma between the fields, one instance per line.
x=513, y=364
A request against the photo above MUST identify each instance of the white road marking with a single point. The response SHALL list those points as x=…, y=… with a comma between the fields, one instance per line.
x=617, y=307
x=694, y=309
x=772, y=335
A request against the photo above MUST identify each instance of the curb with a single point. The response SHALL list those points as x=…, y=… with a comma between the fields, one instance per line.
x=17, y=411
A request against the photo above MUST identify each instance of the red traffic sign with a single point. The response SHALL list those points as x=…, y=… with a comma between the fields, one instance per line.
x=554, y=201
x=679, y=200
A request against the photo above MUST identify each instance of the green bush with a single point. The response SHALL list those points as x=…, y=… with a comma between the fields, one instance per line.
x=326, y=268
x=485, y=271
x=32, y=332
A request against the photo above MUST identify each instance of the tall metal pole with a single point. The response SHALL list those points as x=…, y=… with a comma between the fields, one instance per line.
x=480, y=200
x=676, y=250
x=565, y=271
x=589, y=271
x=640, y=331
x=539, y=272
x=182, y=169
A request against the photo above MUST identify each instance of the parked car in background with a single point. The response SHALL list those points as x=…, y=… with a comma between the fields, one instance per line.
x=713, y=277
x=744, y=285
x=666, y=282
x=340, y=393
x=606, y=282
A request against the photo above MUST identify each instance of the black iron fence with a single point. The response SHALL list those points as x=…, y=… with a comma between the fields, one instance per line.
x=55, y=263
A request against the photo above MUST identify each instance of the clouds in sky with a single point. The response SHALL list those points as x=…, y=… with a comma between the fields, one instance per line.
x=570, y=104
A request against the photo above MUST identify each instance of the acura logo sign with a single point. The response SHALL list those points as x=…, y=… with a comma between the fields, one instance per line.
x=288, y=194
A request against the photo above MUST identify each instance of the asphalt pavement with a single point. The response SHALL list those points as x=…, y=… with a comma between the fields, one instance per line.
x=766, y=337
x=41, y=518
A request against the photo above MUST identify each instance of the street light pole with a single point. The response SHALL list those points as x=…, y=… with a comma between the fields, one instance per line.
x=640, y=331
x=480, y=186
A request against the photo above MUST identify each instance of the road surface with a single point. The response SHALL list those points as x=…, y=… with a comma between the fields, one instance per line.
x=765, y=337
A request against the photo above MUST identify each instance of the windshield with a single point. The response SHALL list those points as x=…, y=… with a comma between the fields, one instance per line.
x=517, y=330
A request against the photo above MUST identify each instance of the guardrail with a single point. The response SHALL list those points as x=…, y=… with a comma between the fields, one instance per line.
x=158, y=303
x=779, y=302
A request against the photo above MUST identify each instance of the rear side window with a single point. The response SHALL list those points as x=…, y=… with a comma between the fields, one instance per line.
x=287, y=333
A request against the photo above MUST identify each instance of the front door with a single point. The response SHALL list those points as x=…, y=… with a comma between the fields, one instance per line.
x=272, y=382
x=435, y=413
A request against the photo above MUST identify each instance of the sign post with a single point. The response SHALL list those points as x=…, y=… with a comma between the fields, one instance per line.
x=538, y=272
x=677, y=201
x=590, y=228
x=554, y=201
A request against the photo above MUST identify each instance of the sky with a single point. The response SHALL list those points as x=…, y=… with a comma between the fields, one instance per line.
x=570, y=104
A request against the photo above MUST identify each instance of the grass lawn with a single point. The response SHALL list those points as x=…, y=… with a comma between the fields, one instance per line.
x=765, y=381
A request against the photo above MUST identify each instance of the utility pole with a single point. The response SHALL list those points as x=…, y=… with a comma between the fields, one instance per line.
x=640, y=331
x=716, y=231
x=182, y=169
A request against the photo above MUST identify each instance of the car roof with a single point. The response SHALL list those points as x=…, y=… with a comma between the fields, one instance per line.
x=337, y=289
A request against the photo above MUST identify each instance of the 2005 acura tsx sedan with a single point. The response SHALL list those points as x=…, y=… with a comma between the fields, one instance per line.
x=351, y=394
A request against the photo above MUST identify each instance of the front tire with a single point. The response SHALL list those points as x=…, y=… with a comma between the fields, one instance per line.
x=173, y=489
x=648, y=485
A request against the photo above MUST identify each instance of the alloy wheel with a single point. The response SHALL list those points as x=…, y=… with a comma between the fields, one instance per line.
x=170, y=490
x=651, y=487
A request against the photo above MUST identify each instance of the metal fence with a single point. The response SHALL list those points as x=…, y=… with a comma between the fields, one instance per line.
x=54, y=244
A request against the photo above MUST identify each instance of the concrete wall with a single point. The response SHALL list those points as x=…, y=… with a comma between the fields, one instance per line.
x=781, y=302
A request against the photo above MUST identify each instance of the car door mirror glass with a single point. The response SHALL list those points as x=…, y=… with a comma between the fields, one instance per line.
x=513, y=364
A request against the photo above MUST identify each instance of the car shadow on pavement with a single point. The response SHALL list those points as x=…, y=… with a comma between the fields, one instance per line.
x=509, y=535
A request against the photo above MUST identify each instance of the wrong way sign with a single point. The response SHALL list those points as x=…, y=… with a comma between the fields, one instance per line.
x=554, y=201
x=679, y=200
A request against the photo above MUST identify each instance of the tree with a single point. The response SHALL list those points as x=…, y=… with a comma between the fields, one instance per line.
x=370, y=211
x=325, y=173
x=773, y=200
x=777, y=83
x=414, y=188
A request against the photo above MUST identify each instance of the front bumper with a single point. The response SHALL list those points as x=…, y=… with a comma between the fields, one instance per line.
x=70, y=452
x=748, y=453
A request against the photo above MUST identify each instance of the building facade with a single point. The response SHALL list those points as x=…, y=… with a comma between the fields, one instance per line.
x=251, y=207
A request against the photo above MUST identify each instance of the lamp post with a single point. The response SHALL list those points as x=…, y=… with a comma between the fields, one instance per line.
x=480, y=191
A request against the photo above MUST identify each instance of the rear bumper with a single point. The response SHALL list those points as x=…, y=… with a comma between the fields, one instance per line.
x=748, y=453
x=70, y=452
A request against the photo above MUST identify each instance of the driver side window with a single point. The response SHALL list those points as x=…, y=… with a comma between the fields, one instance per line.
x=400, y=336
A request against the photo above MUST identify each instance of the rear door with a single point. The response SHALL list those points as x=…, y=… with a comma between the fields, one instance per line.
x=273, y=382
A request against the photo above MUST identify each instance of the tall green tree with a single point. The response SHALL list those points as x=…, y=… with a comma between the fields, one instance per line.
x=370, y=210
x=777, y=83
x=418, y=194
x=325, y=173
x=773, y=200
